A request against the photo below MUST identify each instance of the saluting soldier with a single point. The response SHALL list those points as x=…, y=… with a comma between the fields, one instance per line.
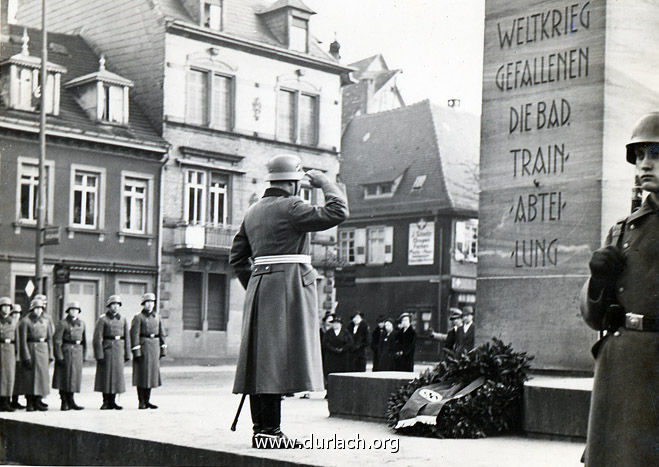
x=35, y=353
x=280, y=348
x=111, y=350
x=8, y=351
x=149, y=346
x=622, y=298
x=70, y=346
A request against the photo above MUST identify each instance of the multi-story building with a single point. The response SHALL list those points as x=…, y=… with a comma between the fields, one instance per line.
x=410, y=243
x=228, y=83
x=102, y=177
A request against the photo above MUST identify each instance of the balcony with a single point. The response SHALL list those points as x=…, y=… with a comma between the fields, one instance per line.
x=217, y=238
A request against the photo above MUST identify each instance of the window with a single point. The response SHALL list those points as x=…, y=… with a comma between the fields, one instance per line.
x=297, y=117
x=24, y=101
x=379, y=245
x=299, y=34
x=112, y=103
x=212, y=14
x=217, y=207
x=28, y=96
x=85, y=199
x=379, y=190
x=192, y=282
x=206, y=198
x=28, y=187
x=466, y=240
x=134, y=205
x=195, y=194
x=210, y=100
x=347, y=246
x=210, y=315
x=216, y=312
x=418, y=182
x=306, y=193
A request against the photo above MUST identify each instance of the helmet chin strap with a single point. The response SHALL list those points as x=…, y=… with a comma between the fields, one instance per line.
x=296, y=189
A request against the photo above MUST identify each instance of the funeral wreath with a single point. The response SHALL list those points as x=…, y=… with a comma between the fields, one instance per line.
x=467, y=395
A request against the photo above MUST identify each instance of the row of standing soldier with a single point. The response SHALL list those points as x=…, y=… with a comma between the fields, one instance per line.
x=29, y=344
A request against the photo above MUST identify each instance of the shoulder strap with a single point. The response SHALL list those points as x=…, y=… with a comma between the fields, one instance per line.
x=617, y=231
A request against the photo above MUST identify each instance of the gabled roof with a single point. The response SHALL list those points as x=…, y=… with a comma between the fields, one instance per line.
x=242, y=20
x=420, y=139
x=73, y=53
x=279, y=4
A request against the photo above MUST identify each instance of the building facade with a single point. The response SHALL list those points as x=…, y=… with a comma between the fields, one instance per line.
x=102, y=178
x=229, y=84
x=410, y=243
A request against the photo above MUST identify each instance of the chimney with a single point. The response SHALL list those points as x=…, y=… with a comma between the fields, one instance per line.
x=334, y=49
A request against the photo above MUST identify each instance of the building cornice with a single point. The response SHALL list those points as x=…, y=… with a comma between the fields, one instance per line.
x=179, y=27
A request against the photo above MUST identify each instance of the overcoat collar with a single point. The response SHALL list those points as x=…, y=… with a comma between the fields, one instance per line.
x=272, y=191
x=648, y=207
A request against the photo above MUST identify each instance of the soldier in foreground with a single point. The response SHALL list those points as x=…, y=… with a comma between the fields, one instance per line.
x=148, y=340
x=111, y=350
x=70, y=347
x=621, y=298
x=8, y=347
x=280, y=348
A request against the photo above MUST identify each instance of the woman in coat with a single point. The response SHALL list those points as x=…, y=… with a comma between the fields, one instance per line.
x=148, y=340
x=35, y=353
x=8, y=350
x=337, y=343
x=70, y=346
x=111, y=350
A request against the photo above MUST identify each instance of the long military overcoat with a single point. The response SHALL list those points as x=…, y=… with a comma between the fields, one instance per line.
x=35, y=353
x=70, y=347
x=623, y=426
x=111, y=353
x=148, y=339
x=8, y=352
x=280, y=345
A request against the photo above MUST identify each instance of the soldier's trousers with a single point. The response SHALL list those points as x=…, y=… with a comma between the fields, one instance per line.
x=266, y=412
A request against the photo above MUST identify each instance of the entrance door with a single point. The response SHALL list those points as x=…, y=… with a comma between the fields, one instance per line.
x=86, y=292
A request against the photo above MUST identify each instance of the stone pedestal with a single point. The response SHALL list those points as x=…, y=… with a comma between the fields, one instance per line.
x=563, y=84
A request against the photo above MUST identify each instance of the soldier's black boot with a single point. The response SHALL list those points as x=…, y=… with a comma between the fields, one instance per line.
x=8, y=406
x=15, y=404
x=115, y=406
x=72, y=403
x=39, y=404
x=140, y=397
x=30, y=404
x=106, y=402
x=4, y=405
x=65, y=401
x=147, y=397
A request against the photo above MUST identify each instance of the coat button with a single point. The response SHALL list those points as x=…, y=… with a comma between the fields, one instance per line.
x=617, y=333
x=625, y=245
x=621, y=289
x=632, y=227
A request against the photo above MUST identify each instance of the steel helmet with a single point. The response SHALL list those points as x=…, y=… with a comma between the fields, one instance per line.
x=113, y=299
x=17, y=309
x=73, y=304
x=284, y=167
x=37, y=303
x=646, y=130
x=5, y=301
x=148, y=297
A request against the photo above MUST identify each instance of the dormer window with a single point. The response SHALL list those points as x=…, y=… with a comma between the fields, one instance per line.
x=103, y=95
x=211, y=14
x=381, y=189
x=299, y=34
x=25, y=81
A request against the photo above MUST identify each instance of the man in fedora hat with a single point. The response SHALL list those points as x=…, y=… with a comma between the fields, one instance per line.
x=111, y=350
x=70, y=346
x=149, y=346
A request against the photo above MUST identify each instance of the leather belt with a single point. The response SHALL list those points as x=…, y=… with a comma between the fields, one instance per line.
x=282, y=259
x=72, y=342
x=637, y=322
x=113, y=338
x=152, y=336
x=41, y=339
x=7, y=341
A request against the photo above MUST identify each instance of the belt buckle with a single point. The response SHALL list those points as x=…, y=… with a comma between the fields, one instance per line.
x=116, y=338
x=7, y=341
x=634, y=321
x=152, y=336
x=77, y=342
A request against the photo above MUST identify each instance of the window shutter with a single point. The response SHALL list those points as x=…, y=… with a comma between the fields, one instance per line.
x=388, y=244
x=360, y=246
